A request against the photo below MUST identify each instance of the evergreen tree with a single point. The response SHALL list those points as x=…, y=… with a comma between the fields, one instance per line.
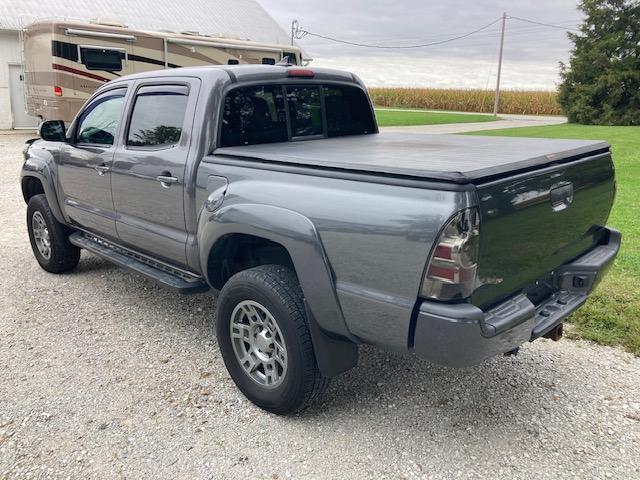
x=601, y=84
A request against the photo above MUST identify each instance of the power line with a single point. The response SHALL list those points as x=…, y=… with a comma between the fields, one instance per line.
x=534, y=22
x=299, y=34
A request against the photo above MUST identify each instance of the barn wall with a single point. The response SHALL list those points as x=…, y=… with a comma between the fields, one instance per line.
x=9, y=53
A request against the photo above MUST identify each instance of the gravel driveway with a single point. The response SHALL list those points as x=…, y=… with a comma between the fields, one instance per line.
x=106, y=375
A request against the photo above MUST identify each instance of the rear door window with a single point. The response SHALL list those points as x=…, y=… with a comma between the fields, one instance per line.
x=157, y=116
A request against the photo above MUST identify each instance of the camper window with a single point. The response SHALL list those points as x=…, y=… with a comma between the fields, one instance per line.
x=102, y=59
x=292, y=57
x=268, y=61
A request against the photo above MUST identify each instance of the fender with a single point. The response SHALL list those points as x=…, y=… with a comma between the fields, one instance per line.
x=335, y=346
x=37, y=167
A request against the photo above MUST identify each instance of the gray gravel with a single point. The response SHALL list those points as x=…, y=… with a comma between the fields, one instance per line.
x=105, y=375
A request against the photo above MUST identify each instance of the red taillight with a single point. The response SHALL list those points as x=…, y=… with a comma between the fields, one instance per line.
x=445, y=273
x=443, y=251
x=301, y=72
x=57, y=91
x=452, y=270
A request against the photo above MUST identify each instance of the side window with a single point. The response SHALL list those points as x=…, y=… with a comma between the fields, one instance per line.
x=254, y=115
x=305, y=111
x=99, y=121
x=158, y=116
x=102, y=59
x=268, y=61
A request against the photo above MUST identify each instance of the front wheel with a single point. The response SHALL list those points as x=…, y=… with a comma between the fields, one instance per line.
x=49, y=238
x=265, y=341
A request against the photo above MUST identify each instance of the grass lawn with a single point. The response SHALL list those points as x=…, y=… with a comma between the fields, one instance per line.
x=612, y=314
x=401, y=118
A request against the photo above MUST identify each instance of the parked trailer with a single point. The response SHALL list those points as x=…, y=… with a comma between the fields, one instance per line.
x=65, y=62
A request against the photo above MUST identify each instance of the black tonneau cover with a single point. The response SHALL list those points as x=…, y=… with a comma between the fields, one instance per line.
x=452, y=158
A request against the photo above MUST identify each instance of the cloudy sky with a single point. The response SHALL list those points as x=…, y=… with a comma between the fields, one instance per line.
x=531, y=57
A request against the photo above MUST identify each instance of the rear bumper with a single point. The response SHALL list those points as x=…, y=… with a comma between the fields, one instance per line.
x=460, y=335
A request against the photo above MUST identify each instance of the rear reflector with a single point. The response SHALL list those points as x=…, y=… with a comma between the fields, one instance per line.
x=57, y=91
x=301, y=72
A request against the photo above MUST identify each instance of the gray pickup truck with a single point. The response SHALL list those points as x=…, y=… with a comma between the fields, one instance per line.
x=272, y=185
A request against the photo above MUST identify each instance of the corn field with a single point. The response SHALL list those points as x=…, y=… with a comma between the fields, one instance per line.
x=511, y=101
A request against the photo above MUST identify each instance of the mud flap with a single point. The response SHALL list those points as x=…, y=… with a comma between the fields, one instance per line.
x=334, y=355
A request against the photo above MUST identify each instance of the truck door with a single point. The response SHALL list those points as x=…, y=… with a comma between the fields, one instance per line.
x=149, y=169
x=84, y=165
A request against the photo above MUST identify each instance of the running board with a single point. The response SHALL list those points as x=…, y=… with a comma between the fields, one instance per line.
x=166, y=275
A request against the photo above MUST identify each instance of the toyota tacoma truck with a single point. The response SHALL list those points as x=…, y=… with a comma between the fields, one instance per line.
x=273, y=186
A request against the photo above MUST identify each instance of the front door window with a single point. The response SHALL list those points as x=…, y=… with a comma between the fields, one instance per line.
x=99, y=121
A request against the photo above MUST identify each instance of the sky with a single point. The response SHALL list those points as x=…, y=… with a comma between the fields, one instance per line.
x=531, y=52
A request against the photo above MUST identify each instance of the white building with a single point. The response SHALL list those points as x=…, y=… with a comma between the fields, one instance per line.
x=238, y=18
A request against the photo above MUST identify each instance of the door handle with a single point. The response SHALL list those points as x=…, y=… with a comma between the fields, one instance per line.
x=166, y=180
x=101, y=169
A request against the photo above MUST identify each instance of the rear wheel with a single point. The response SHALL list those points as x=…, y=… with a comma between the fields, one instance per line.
x=49, y=238
x=265, y=341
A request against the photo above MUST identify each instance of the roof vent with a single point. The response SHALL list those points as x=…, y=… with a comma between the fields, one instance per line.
x=108, y=22
x=190, y=32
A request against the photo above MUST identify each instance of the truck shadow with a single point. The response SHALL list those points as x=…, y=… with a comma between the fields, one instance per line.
x=403, y=389
x=415, y=392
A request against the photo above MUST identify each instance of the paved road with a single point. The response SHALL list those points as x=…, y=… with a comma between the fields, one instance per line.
x=507, y=121
x=106, y=375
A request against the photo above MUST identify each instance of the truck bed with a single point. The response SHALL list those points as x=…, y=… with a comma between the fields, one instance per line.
x=451, y=158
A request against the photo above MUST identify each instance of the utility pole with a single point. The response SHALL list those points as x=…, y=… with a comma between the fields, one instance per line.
x=497, y=99
x=294, y=29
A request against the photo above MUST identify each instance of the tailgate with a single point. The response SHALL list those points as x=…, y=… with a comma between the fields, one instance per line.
x=534, y=222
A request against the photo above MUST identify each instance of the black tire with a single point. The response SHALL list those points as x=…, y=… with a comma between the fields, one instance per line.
x=277, y=289
x=63, y=255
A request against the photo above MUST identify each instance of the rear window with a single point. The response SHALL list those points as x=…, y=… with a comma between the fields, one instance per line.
x=254, y=115
x=305, y=111
x=279, y=113
x=102, y=59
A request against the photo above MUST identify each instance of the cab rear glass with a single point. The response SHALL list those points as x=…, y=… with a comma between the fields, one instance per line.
x=280, y=113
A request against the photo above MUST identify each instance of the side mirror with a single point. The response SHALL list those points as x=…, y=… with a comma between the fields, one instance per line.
x=53, y=131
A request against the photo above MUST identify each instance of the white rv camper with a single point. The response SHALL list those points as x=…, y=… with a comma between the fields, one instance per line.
x=65, y=62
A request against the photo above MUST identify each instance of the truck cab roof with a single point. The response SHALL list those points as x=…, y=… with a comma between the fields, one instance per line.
x=250, y=73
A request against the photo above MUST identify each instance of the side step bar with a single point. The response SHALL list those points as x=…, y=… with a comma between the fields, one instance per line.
x=170, y=277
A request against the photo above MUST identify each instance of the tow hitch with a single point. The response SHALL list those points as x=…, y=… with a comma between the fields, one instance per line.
x=555, y=333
